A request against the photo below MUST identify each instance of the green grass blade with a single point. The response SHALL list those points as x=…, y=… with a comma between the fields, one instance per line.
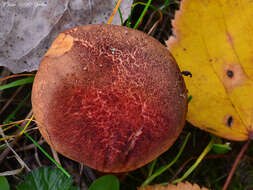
x=120, y=15
x=142, y=14
x=164, y=168
x=19, y=82
x=142, y=3
x=165, y=5
x=44, y=152
x=152, y=166
x=200, y=158
x=128, y=23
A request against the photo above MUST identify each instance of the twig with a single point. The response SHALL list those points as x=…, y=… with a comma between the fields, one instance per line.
x=81, y=182
x=30, y=146
x=152, y=15
x=4, y=73
x=55, y=155
x=11, y=99
x=37, y=156
x=22, y=163
x=7, y=150
x=238, y=158
x=156, y=23
x=114, y=12
x=13, y=76
x=12, y=172
x=12, y=123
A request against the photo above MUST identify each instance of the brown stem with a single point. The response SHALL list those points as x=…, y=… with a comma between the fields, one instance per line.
x=232, y=171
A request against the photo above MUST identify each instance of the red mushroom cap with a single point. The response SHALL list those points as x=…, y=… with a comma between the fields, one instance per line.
x=110, y=97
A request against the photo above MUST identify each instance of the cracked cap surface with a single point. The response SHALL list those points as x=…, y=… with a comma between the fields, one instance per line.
x=110, y=97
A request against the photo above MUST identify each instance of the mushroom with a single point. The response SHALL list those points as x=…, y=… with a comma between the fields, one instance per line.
x=109, y=97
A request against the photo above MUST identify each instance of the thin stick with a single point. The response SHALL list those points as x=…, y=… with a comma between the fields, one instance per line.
x=231, y=173
x=21, y=162
x=114, y=12
x=17, y=75
x=11, y=99
x=156, y=23
x=36, y=155
x=55, y=155
x=30, y=146
x=7, y=150
x=12, y=123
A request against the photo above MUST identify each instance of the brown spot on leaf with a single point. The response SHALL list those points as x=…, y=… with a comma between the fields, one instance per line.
x=230, y=73
x=233, y=76
x=229, y=122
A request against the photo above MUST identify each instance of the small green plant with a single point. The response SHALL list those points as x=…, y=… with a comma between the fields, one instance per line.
x=4, y=185
x=107, y=182
x=47, y=179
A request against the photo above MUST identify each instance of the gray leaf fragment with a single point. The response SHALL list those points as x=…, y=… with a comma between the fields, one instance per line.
x=28, y=27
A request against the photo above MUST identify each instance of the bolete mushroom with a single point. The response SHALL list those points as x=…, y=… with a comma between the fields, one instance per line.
x=110, y=97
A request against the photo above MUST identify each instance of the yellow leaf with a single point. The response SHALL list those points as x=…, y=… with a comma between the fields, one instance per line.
x=214, y=41
x=179, y=186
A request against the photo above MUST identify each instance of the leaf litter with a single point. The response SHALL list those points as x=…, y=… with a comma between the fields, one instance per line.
x=29, y=27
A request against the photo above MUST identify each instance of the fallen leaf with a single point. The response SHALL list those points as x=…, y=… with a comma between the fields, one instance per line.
x=27, y=28
x=179, y=186
x=213, y=40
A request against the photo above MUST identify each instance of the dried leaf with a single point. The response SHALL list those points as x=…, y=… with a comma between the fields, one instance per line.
x=29, y=27
x=179, y=186
x=213, y=40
